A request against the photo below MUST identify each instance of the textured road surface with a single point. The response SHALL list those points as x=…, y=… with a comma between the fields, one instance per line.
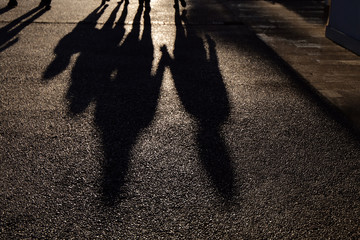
x=119, y=123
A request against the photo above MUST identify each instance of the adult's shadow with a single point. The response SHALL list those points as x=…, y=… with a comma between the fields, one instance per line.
x=201, y=89
x=11, y=30
x=5, y=9
x=127, y=104
x=118, y=80
x=82, y=39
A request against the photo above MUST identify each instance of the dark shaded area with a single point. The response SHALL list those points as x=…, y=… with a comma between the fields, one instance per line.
x=127, y=104
x=310, y=9
x=5, y=9
x=12, y=3
x=117, y=78
x=82, y=39
x=201, y=90
x=9, y=32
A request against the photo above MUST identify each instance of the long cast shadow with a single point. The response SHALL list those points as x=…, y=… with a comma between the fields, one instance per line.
x=128, y=102
x=93, y=68
x=83, y=38
x=8, y=32
x=202, y=92
x=5, y=9
x=118, y=80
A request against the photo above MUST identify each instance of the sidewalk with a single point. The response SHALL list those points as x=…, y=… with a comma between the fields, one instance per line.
x=118, y=123
x=296, y=32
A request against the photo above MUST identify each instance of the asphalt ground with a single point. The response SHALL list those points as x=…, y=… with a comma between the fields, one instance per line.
x=119, y=123
x=295, y=30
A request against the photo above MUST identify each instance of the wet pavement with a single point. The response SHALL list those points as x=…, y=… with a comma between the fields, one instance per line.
x=117, y=122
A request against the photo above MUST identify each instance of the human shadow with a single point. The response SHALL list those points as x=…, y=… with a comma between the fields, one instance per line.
x=5, y=9
x=115, y=74
x=202, y=92
x=127, y=104
x=92, y=70
x=11, y=30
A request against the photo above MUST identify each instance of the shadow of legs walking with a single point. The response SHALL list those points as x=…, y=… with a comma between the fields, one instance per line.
x=201, y=90
x=12, y=29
